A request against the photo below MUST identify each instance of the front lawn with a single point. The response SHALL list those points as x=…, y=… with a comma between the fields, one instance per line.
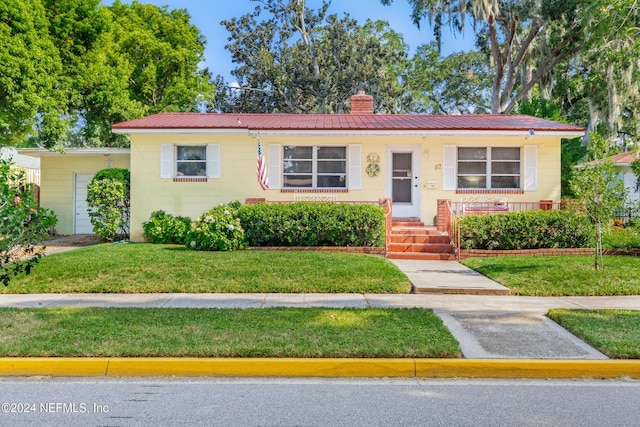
x=263, y=332
x=561, y=275
x=142, y=268
x=613, y=332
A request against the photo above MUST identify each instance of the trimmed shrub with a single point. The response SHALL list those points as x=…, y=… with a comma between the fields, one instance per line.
x=108, y=196
x=166, y=228
x=216, y=230
x=312, y=224
x=621, y=238
x=633, y=223
x=526, y=230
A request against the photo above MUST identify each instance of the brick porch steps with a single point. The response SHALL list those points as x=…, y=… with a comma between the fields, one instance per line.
x=411, y=239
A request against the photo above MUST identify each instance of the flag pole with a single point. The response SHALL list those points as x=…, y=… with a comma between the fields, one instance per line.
x=263, y=179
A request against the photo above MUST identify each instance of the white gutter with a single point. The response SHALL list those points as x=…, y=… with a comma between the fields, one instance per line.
x=43, y=152
x=179, y=131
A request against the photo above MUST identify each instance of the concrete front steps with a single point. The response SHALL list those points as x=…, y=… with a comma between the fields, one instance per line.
x=411, y=239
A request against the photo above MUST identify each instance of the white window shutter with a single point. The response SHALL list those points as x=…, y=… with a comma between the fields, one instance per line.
x=355, y=167
x=449, y=167
x=166, y=161
x=274, y=165
x=213, y=160
x=530, y=168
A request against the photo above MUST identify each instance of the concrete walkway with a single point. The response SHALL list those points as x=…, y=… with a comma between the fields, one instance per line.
x=447, y=277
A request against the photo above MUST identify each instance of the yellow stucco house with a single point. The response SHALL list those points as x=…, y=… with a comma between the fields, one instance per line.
x=186, y=163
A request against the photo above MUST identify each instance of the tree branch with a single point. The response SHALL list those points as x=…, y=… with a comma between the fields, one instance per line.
x=548, y=65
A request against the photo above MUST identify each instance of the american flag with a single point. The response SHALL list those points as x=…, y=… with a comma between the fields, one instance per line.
x=263, y=179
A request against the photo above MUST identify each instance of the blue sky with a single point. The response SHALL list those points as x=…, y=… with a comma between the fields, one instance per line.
x=207, y=14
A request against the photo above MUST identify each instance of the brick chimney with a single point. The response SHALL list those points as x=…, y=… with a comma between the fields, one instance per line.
x=361, y=103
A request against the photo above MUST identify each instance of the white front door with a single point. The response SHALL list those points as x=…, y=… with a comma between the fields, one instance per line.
x=403, y=181
x=82, y=223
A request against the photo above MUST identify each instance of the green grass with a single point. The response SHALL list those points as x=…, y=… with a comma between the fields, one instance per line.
x=141, y=268
x=613, y=332
x=264, y=332
x=561, y=275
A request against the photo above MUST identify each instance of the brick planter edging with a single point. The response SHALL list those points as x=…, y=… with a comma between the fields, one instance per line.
x=350, y=249
x=631, y=252
x=481, y=253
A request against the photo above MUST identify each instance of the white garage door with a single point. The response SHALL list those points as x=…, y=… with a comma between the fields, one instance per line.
x=82, y=222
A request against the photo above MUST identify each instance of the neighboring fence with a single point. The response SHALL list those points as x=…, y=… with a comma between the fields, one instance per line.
x=33, y=177
x=627, y=213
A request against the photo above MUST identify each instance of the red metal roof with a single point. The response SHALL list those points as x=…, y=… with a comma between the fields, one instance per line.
x=619, y=159
x=341, y=122
x=623, y=158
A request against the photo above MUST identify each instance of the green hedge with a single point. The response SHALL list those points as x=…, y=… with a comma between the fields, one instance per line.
x=526, y=230
x=312, y=224
x=166, y=228
x=218, y=229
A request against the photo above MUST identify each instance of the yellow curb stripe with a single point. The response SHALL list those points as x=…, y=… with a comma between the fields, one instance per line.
x=335, y=367
x=527, y=368
x=262, y=367
x=54, y=366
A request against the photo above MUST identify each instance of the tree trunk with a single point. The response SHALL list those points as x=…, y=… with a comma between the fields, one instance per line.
x=599, y=261
x=302, y=29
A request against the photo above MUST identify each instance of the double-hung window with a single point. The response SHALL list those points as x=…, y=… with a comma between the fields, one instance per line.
x=191, y=161
x=314, y=167
x=489, y=168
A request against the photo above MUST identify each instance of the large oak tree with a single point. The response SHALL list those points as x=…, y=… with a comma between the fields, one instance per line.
x=292, y=59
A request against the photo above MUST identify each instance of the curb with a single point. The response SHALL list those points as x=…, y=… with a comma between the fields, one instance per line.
x=285, y=367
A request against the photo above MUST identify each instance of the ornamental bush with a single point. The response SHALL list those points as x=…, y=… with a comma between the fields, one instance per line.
x=108, y=196
x=621, y=238
x=166, y=228
x=23, y=225
x=216, y=230
x=526, y=230
x=312, y=224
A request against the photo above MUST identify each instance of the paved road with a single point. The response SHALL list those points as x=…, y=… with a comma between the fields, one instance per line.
x=317, y=402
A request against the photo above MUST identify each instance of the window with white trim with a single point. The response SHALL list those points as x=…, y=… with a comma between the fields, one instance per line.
x=489, y=168
x=314, y=166
x=191, y=161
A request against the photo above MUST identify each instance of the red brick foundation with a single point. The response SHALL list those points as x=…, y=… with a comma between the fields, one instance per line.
x=254, y=200
x=350, y=249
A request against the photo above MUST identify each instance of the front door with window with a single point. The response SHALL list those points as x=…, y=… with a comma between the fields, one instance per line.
x=404, y=182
